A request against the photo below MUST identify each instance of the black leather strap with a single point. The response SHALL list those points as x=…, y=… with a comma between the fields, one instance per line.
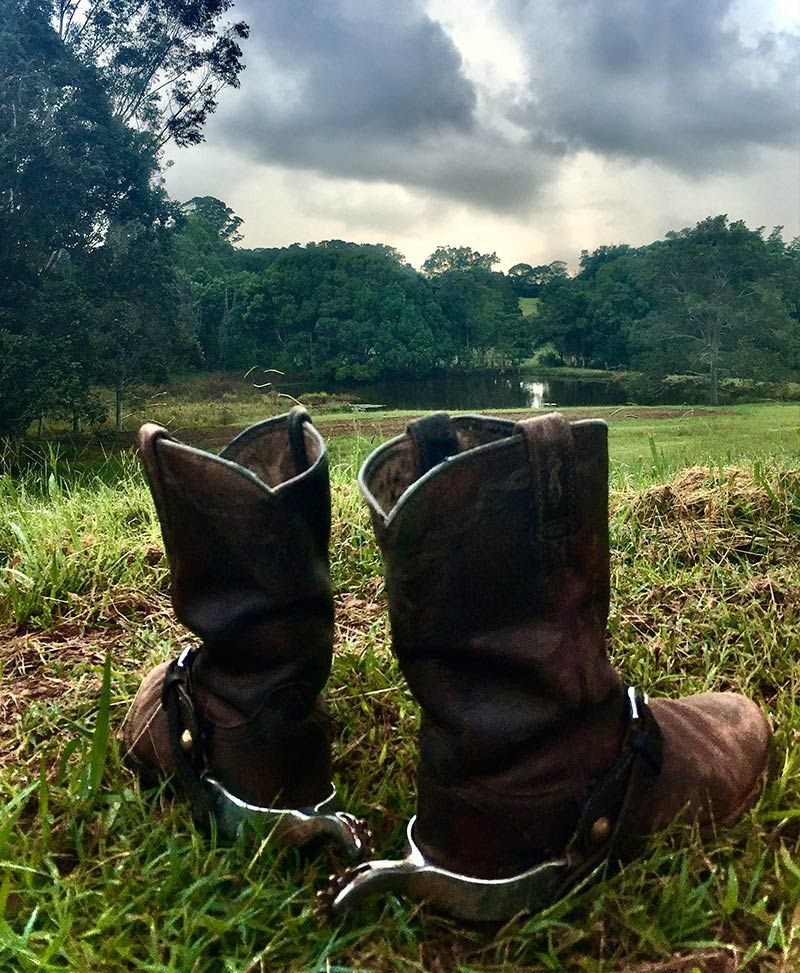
x=189, y=765
x=604, y=825
x=434, y=439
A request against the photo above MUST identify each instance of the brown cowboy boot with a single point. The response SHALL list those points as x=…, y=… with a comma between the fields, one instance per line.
x=239, y=720
x=536, y=763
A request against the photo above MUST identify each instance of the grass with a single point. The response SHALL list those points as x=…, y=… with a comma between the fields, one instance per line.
x=98, y=873
x=204, y=399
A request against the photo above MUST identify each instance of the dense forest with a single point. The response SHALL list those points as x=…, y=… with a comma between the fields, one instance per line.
x=106, y=282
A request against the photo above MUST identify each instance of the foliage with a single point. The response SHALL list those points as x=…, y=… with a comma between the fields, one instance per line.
x=142, y=324
x=162, y=62
x=68, y=168
x=69, y=171
x=718, y=299
x=716, y=304
x=528, y=281
x=344, y=311
x=484, y=318
x=590, y=263
x=444, y=259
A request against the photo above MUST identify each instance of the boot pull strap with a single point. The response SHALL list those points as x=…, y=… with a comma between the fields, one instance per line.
x=434, y=439
x=297, y=418
x=551, y=457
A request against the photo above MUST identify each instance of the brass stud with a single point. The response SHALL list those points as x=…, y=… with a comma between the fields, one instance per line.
x=186, y=740
x=601, y=829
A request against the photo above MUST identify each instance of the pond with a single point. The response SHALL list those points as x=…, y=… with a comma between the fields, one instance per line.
x=525, y=390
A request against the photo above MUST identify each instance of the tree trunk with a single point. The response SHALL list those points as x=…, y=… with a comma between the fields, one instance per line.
x=76, y=423
x=118, y=407
x=715, y=345
x=713, y=384
x=40, y=426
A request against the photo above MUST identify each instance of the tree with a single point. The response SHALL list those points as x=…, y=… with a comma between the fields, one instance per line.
x=204, y=237
x=218, y=279
x=486, y=324
x=67, y=167
x=590, y=263
x=346, y=311
x=521, y=278
x=68, y=170
x=162, y=62
x=458, y=258
x=529, y=281
x=565, y=320
x=215, y=218
x=90, y=91
x=134, y=288
x=48, y=353
x=717, y=304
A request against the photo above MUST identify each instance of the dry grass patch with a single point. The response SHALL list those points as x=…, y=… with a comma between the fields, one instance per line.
x=714, y=496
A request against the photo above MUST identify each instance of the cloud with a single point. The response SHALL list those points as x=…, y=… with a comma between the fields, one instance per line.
x=402, y=94
x=672, y=81
x=358, y=68
x=374, y=91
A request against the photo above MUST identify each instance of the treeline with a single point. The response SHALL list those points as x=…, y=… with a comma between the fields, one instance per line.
x=338, y=310
x=717, y=300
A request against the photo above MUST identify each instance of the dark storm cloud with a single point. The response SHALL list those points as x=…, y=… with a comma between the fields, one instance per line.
x=372, y=68
x=369, y=89
x=672, y=81
x=376, y=90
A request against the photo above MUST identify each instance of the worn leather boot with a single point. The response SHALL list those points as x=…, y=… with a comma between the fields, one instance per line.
x=239, y=720
x=537, y=764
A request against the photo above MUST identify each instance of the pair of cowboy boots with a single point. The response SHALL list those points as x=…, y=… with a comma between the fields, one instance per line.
x=536, y=765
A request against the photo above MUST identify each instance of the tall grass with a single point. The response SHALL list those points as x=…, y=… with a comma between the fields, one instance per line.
x=99, y=873
x=76, y=545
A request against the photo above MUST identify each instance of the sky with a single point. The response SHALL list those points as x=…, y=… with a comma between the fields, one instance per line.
x=529, y=128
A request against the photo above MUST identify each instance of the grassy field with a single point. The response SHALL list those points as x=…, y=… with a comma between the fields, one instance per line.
x=97, y=873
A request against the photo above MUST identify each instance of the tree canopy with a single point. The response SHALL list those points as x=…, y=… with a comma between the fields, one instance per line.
x=444, y=259
x=161, y=62
x=715, y=299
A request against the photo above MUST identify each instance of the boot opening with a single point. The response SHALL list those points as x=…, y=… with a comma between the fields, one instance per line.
x=265, y=450
x=394, y=468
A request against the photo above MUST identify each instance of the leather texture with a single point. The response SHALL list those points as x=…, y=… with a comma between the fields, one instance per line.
x=497, y=578
x=246, y=535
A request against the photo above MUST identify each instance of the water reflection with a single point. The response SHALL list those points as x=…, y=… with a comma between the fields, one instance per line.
x=473, y=392
x=538, y=394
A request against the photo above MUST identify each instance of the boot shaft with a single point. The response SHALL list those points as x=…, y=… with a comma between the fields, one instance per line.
x=246, y=535
x=497, y=574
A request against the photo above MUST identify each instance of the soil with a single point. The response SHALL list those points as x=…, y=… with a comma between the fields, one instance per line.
x=212, y=437
x=215, y=437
